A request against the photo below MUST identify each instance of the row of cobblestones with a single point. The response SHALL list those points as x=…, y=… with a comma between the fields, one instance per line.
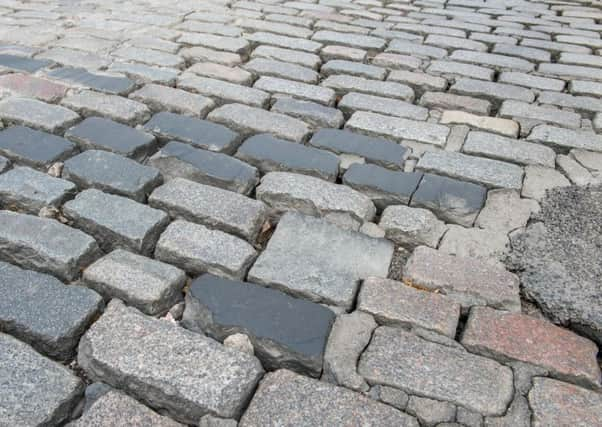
x=270, y=212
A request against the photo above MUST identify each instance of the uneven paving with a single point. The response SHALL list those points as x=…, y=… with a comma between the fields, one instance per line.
x=308, y=213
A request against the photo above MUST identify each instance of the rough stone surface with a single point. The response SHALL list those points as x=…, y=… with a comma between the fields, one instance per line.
x=123, y=110
x=45, y=245
x=402, y=360
x=506, y=211
x=37, y=114
x=136, y=226
x=411, y=227
x=50, y=390
x=149, y=285
x=489, y=245
x=468, y=281
x=286, y=332
x=312, y=258
x=556, y=259
x=284, y=395
x=350, y=335
x=32, y=147
x=538, y=180
x=431, y=412
x=166, y=367
x=54, y=331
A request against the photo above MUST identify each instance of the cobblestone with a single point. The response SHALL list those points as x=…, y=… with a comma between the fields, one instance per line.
x=34, y=148
x=37, y=114
x=123, y=110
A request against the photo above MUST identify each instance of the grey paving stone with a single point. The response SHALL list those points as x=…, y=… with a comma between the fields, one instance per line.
x=449, y=101
x=305, y=59
x=119, y=410
x=420, y=81
x=75, y=58
x=314, y=259
x=431, y=412
x=249, y=120
x=555, y=47
x=395, y=304
x=202, y=377
x=452, y=69
x=338, y=66
x=161, y=98
x=468, y=281
x=395, y=61
x=398, y=129
x=385, y=187
x=492, y=59
x=447, y=42
x=197, y=249
x=508, y=149
x=21, y=63
x=583, y=87
x=103, y=134
x=548, y=402
x=411, y=227
x=36, y=114
x=28, y=190
x=516, y=109
x=83, y=78
x=199, y=133
x=343, y=84
x=505, y=127
x=406, y=47
x=284, y=191
x=351, y=40
x=348, y=338
x=116, y=221
x=564, y=139
x=270, y=154
x=506, y=210
x=149, y=56
x=228, y=44
x=352, y=102
x=45, y=245
x=489, y=245
x=54, y=331
x=304, y=402
x=202, y=54
x=316, y=115
x=297, y=90
x=491, y=173
x=50, y=389
x=528, y=53
x=145, y=73
x=570, y=71
x=375, y=150
x=530, y=81
x=451, y=200
x=223, y=92
x=495, y=92
x=149, y=285
x=179, y=160
x=580, y=59
x=402, y=360
x=210, y=206
x=222, y=72
x=583, y=104
x=123, y=110
x=272, y=67
x=285, y=331
x=112, y=173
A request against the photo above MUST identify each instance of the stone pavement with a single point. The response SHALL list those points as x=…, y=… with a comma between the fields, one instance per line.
x=301, y=213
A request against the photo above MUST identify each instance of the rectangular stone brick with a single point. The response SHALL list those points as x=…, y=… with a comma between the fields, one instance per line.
x=285, y=70
x=286, y=42
x=406, y=47
x=82, y=78
x=223, y=92
x=449, y=101
x=305, y=59
x=21, y=63
x=530, y=81
x=352, y=102
x=45, y=245
x=398, y=129
x=528, y=53
x=145, y=73
x=517, y=337
x=458, y=69
x=570, y=71
x=214, y=70
x=303, y=91
x=338, y=66
x=114, y=107
x=518, y=109
x=351, y=40
x=583, y=104
x=492, y=124
x=202, y=377
x=115, y=221
x=34, y=148
x=202, y=54
x=565, y=139
x=344, y=83
x=163, y=98
x=492, y=91
x=491, y=59
x=227, y=44
x=37, y=114
x=32, y=87
x=316, y=115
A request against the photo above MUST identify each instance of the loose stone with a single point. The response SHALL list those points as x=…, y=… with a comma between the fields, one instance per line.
x=45, y=245
x=285, y=331
x=136, y=226
x=506, y=211
x=210, y=206
x=201, y=377
x=411, y=227
x=311, y=258
x=151, y=286
x=197, y=249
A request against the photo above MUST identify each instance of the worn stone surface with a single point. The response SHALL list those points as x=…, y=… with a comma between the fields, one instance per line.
x=284, y=191
x=150, y=286
x=431, y=412
x=50, y=389
x=210, y=206
x=284, y=395
x=515, y=336
x=112, y=173
x=45, y=245
x=123, y=110
x=539, y=179
x=411, y=227
x=32, y=147
x=54, y=331
x=468, y=281
x=286, y=332
x=505, y=210
x=402, y=360
x=555, y=259
x=37, y=114
x=162, y=364
x=312, y=258
x=349, y=336
x=489, y=245
x=393, y=303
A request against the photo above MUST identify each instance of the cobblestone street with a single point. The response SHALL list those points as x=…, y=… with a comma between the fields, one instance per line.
x=223, y=213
